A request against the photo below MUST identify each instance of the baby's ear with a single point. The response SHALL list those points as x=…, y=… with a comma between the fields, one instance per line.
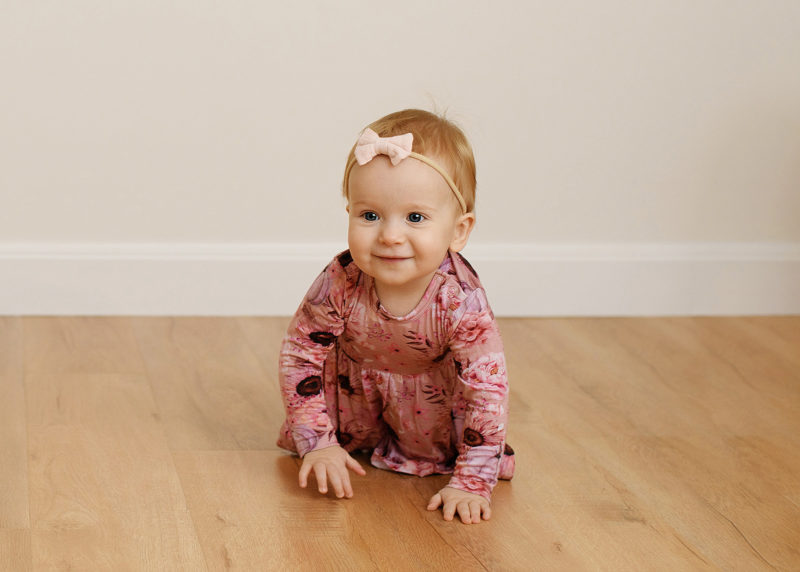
x=464, y=226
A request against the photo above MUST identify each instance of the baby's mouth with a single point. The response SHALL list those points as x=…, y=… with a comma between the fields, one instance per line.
x=391, y=258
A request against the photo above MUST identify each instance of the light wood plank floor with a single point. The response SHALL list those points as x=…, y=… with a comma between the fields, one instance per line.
x=642, y=444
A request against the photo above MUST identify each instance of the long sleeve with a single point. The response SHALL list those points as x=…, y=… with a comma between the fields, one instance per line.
x=311, y=336
x=480, y=363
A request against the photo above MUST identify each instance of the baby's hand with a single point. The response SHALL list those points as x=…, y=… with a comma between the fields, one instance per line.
x=330, y=463
x=469, y=505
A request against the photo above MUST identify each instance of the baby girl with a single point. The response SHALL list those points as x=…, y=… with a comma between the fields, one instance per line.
x=394, y=349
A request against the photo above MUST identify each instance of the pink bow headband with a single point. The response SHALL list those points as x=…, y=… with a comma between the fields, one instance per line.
x=396, y=148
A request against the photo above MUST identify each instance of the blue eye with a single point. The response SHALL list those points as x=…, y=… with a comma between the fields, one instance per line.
x=415, y=217
x=370, y=216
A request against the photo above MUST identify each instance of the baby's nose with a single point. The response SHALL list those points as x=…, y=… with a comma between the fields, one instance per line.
x=392, y=232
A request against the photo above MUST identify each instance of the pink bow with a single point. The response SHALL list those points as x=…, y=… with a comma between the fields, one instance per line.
x=370, y=144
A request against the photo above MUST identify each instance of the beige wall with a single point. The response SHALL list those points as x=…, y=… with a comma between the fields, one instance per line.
x=228, y=122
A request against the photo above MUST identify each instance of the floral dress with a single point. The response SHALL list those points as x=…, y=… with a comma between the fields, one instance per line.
x=426, y=393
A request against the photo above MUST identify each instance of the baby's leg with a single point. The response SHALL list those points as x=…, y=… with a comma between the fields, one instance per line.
x=357, y=407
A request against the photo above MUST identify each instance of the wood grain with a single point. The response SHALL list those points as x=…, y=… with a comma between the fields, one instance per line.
x=211, y=389
x=149, y=443
x=15, y=550
x=383, y=527
x=667, y=415
x=104, y=492
x=80, y=345
x=13, y=431
x=264, y=336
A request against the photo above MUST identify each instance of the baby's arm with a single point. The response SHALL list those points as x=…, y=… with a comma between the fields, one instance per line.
x=310, y=338
x=330, y=464
x=470, y=506
x=480, y=363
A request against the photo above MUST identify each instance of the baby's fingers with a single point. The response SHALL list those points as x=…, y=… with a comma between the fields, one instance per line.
x=475, y=511
x=435, y=502
x=355, y=466
x=465, y=512
x=449, y=510
x=322, y=477
x=302, y=477
x=348, y=488
x=337, y=482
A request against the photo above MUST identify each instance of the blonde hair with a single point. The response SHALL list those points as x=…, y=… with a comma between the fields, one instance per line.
x=435, y=137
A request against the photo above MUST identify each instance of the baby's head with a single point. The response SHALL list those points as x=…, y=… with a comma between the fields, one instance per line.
x=410, y=189
x=434, y=138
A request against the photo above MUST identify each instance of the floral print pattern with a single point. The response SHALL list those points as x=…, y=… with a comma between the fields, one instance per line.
x=426, y=393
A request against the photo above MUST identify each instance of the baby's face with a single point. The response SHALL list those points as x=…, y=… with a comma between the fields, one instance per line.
x=403, y=220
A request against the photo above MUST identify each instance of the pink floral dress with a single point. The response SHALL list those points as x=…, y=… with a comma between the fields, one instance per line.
x=426, y=392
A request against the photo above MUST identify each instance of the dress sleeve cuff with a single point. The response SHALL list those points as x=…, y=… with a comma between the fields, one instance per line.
x=307, y=439
x=474, y=486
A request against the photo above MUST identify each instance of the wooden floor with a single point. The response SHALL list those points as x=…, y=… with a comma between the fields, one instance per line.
x=148, y=444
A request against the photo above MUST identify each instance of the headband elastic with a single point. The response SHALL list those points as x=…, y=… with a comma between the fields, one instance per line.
x=396, y=148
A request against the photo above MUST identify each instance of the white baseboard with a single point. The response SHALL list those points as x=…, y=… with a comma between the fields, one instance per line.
x=521, y=279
